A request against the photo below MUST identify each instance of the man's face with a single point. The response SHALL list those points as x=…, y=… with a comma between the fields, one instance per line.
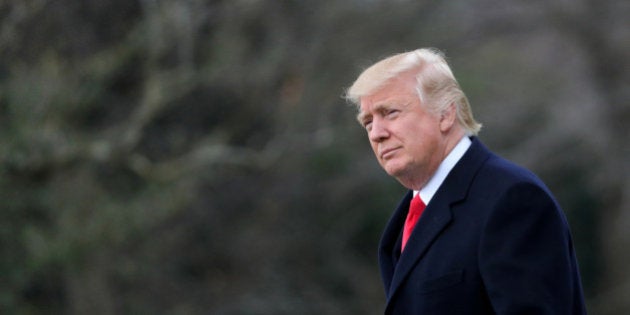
x=405, y=138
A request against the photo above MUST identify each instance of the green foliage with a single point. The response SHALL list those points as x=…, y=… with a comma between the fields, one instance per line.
x=194, y=157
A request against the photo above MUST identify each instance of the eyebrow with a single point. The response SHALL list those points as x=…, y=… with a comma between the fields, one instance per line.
x=361, y=116
x=378, y=109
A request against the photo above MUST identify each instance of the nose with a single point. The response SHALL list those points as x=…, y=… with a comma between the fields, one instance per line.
x=378, y=131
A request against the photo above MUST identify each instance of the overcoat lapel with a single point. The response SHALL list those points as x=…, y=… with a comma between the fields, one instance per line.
x=389, y=248
x=434, y=220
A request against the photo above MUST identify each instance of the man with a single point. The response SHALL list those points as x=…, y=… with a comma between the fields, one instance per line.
x=490, y=238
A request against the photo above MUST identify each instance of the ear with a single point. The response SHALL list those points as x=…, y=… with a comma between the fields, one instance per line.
x=448, y=118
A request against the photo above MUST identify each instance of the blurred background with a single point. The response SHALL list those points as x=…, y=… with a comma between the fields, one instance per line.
x=196, y=157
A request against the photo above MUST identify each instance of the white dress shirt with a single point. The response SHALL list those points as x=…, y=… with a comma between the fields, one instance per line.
x=427, y=192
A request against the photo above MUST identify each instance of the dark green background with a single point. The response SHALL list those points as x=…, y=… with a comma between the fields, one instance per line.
x=196, y=157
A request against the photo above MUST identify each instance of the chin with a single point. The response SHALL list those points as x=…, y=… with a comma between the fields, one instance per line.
x=394, y=171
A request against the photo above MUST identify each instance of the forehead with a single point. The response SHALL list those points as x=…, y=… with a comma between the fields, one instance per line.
x=396, y=92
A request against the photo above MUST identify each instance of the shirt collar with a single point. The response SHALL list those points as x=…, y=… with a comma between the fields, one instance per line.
x=427, y=192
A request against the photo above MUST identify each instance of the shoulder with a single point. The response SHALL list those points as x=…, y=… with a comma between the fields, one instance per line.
x=484, y=176
x=512, y=191
x=500, y=179
x=498, y=167
x=499, y=172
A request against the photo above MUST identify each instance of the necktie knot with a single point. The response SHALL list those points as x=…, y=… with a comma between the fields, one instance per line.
x=416, y=207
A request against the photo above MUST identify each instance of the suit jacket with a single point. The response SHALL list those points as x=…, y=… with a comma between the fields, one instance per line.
x=492, y=240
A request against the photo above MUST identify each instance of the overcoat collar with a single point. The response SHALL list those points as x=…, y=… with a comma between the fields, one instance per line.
x=435, y=218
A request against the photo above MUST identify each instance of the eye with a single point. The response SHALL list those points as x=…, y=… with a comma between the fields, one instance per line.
x=367, y=125
x=392, y=113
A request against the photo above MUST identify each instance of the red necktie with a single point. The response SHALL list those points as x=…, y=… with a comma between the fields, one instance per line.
x=415, y=211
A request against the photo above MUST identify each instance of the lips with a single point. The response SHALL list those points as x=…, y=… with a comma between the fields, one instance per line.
x=388, y=153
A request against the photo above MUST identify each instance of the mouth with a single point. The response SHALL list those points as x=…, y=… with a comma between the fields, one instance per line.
x=388, y=153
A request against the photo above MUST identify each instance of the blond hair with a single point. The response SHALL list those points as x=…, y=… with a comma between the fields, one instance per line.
x=436, y=85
